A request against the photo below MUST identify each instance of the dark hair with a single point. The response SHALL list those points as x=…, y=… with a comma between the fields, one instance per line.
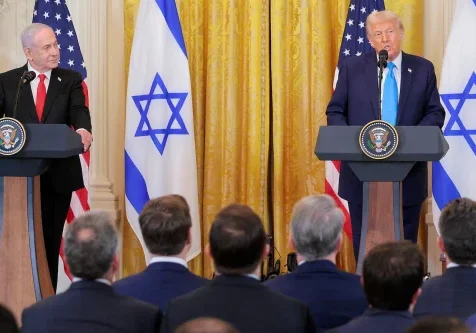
x=206, y=325
x=438, y=324
x=458, y=231
x=165, y=224
x=8, y=323
x=90, y=245
x=237, y=240
x=392, y=274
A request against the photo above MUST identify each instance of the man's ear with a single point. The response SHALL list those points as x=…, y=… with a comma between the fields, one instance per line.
x=265, y=253
x=208, y=251
x=440, y=243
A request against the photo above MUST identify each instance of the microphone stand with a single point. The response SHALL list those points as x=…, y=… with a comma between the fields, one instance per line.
x=17, y=97
x=381, y=65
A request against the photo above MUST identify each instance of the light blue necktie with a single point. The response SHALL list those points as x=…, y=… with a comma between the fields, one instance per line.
x=390, y=96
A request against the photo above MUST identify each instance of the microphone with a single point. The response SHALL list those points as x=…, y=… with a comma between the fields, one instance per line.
x=382, y=63
x=27, y=77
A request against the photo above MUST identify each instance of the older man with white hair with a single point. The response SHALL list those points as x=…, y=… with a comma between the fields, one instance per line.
x=334, y=297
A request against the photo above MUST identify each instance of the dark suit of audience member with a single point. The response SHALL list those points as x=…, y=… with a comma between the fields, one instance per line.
x=316, y=235
x=165, y=225
x=454, y=292
x=237, y=243
x=90, y=304
x=392, y=276
x=8, y=323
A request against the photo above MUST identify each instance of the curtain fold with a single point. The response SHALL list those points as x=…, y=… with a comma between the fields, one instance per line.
x=261, y=76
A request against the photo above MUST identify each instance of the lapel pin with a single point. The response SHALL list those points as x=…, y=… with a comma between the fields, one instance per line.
x=59, y=79
x=409, y=70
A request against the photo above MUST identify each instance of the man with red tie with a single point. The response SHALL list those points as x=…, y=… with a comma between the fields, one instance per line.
x=55, y=96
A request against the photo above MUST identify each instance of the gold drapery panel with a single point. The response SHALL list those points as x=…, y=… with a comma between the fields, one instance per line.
x=245, y=56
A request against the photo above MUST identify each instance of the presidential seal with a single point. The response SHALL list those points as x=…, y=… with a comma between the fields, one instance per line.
x=12, y=136
x=378, y=139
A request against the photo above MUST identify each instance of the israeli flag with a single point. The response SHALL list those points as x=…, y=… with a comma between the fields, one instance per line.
x=159, y=140
x=454, y=176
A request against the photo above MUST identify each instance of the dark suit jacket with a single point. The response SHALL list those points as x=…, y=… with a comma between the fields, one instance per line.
x=355, y=103
x=160, y=283
x=65, y=104
x=243, y=302
x=89, y=306
x=324, y=288
x=379, y=321
x=451, y=294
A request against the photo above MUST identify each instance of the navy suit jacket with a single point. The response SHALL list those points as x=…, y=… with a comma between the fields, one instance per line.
x=89, y=306
x=159, y=283
x=244, y=303
x=324, y=288
x=375, y=320
x=355, y=103
x=451, y=294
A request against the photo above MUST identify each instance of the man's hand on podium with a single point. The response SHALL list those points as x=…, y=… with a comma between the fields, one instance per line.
x=86, y=138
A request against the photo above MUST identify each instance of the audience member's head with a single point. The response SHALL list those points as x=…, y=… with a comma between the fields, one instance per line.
x=8, y=323
x=439, y=324
x=237, y=240
x=316, y=228
x=206, y=325
x=165, y=224
x=457, y=226
x=90, y=246
x=392, y=275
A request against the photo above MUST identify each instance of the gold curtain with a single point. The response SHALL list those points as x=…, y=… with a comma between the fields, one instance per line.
x=233, y=83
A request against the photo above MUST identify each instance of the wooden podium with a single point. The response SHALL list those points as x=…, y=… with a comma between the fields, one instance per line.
x=24, y=274
x=381, y=201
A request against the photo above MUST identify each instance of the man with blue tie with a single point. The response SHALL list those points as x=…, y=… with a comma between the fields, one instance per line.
x=409, y=98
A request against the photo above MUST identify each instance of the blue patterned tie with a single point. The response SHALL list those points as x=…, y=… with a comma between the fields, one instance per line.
x=390, y=96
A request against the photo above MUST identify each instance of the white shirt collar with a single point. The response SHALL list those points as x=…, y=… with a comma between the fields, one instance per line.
x=47, y=73
x=76, y=279
x=452, y=265
x=253, y=276
x=174, y=260
x=398, y=61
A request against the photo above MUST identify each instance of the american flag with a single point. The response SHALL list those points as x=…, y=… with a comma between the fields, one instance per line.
x=354, y=43
x=55, y=14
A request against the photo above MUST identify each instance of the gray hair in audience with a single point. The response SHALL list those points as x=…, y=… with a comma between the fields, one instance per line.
x=29, y=33
x=316, y=225
x=90, y=245
x=206, y=325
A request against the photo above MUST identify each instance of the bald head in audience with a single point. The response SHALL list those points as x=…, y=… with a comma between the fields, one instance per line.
x=206, y=325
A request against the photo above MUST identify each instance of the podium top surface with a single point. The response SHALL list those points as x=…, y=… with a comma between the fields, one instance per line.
x=49, y=141
x=416, y=143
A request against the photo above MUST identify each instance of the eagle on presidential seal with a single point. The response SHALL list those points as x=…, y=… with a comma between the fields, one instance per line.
x=378, y=139
x=8, y=137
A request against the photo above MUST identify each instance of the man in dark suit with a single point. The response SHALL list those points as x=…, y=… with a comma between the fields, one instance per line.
x=55, y=96
x=237, y=245
x=90, y=304
x=165, y=225
x=392, y=276
x=410, y=98
x=454, y=292
x=316, y=234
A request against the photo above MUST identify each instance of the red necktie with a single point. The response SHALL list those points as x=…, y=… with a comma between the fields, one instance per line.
x=40, y=96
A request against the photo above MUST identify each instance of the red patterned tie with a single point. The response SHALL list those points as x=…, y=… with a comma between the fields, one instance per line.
x=40, y=96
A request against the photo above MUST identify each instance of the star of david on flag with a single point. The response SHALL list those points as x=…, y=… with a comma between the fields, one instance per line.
x=454, y=177
x=175, y=102
x=55, y=14
x=160, y=156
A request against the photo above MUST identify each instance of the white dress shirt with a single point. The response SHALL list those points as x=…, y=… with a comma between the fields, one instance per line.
x=36, y=81
x=76, y=279
x=397, y=71
x=452, y=264
x=174, y=260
